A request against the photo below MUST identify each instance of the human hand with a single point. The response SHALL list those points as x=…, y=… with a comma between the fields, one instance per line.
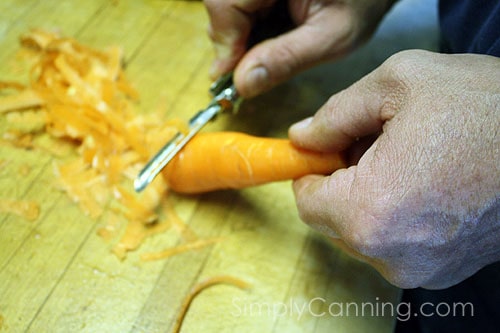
x=325, y=30
x=422, y=205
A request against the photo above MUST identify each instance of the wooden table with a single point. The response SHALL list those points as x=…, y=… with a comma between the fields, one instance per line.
x=58, y=275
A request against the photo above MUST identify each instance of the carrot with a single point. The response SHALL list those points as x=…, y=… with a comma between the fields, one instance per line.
x=231, y=160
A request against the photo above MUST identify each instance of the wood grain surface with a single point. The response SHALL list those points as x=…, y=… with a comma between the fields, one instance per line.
x=58, y=275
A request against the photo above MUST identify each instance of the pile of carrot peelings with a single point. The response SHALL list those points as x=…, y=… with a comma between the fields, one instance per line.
x=83, y=99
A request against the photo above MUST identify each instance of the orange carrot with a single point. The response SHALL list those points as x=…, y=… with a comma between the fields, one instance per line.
x=230, y=160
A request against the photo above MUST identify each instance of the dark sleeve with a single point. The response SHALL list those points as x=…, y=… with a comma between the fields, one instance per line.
x=470, y=26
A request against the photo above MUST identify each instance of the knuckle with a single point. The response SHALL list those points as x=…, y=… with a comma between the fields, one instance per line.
x=403, y=61
x=370, y=231
x=404, y=69
x=407, y=69
x=364, y=241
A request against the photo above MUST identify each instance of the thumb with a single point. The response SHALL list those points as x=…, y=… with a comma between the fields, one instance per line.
x=358, y=111
x=275, y=60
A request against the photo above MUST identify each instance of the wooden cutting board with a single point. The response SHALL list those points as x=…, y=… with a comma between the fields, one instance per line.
x=58, y=275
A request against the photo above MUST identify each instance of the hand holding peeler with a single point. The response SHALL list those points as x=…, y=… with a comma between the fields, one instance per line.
x=225, y=98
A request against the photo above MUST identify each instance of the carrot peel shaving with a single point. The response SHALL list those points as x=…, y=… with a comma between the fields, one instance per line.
x=198, y=288
x=30, y=210
x=85, y=99
x=195, y=245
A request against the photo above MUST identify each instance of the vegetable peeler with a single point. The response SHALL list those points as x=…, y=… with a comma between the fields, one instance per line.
x=225, y=98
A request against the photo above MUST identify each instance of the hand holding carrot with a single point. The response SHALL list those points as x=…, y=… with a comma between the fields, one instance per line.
x=423, y=203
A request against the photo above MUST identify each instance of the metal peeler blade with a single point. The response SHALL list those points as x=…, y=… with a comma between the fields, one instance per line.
x=225, y=98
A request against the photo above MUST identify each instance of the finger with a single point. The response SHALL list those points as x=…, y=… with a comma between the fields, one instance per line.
x=349, y=204
x=323, y=202
x=229, y=29
x=275, y=60
x=330, y=205
x=358, y=111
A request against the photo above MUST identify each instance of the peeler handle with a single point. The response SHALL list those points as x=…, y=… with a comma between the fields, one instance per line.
x=225, y=94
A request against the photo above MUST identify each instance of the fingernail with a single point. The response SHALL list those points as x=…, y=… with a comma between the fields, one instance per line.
x=301, y=125
x=257, y=78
